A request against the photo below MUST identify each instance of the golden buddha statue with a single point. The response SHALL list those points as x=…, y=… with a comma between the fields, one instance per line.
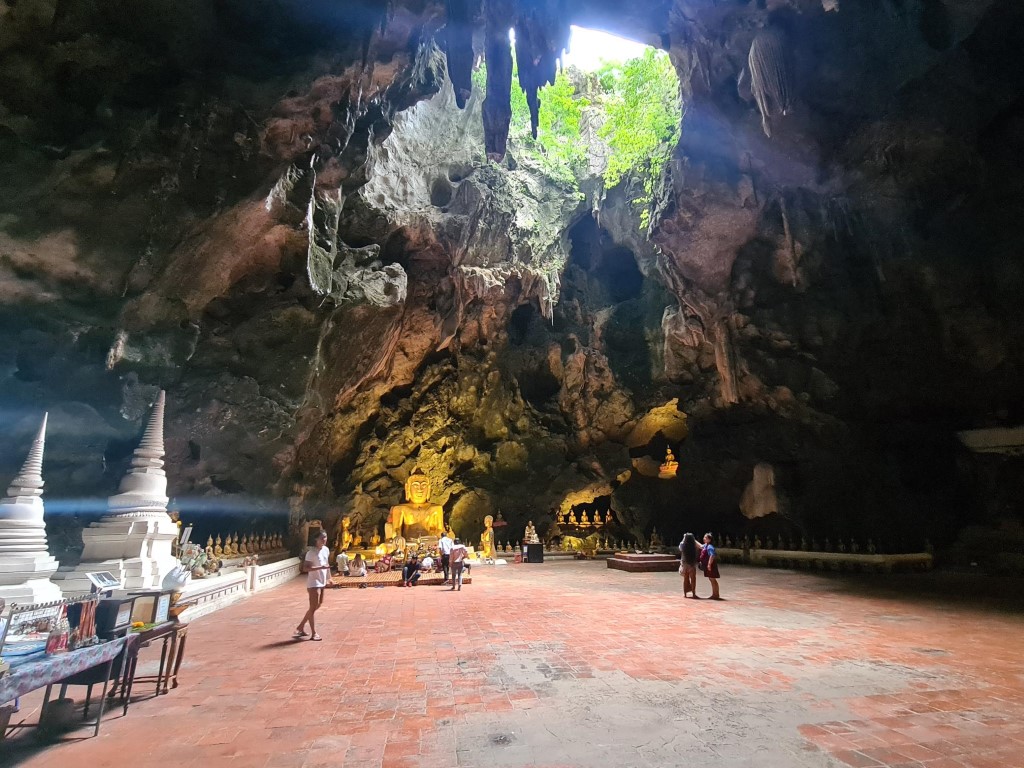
x=669, y=467
x=487, y=538
x=608, y=519
x=572, y=517
x=345, y=536
x=375, y=539
x=218, y=548
x=530, y=536
x=417, y=517
x=232, y=546
x=584, y=520
x=560, y=517
x=243, y=548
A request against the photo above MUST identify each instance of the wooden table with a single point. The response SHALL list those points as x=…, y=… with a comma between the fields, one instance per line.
x=173, y=635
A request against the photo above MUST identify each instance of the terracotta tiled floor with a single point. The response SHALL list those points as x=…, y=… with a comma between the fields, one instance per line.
x=573, y=664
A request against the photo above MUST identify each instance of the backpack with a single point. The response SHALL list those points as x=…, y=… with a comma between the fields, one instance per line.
x=704, y=557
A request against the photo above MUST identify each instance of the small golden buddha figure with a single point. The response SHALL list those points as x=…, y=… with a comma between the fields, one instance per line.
x=375, y=539
x=608, y=519
x=531, y=537
x=560, y=517
x=345, y=536
x=487, y=538
x=669, y=467
x=572, y=517
x=417, y=517
x=655, y=538
x=209, y=543
x=218, y=548
x=232, y=547
x=584, y=520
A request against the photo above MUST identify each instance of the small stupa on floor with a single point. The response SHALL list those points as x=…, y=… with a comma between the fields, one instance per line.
x=25, y=562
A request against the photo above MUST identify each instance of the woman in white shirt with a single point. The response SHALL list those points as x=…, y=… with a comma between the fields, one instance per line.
x=317, y=567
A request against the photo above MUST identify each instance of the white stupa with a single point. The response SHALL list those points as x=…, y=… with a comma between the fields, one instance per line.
x=25, y=563
x=133, y=541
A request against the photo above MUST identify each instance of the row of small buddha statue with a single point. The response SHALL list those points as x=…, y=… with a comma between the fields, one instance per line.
x=584, y=521
x=607, y=544
x=801, y=545
x=230, y=546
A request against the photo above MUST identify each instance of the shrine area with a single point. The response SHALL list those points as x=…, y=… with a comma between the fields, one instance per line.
x=570, y=663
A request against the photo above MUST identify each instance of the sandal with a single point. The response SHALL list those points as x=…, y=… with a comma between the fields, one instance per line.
x=316, y=637
x=300, y=633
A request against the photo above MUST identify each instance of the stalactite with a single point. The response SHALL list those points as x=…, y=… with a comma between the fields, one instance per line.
x=541, y=35
x=497, y=110
x=769, y=75
x=459, y=48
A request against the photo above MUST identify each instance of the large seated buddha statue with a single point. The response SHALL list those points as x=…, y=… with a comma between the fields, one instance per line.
x=417, y=516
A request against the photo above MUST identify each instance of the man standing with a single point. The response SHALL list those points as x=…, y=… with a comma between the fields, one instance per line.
x=445, y=545
x=317, y=567
x=458, y=560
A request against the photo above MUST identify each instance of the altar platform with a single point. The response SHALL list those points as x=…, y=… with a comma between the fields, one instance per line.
x=632, y=562
x=390, y=579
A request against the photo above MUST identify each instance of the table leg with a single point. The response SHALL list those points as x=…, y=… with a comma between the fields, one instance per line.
x=103, y=698
x=170, y=660
x=88, y=696
x=160, y=672
x=129, y=680
x=180, y=656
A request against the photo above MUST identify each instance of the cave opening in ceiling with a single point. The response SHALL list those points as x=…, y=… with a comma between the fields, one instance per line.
x=611, y=113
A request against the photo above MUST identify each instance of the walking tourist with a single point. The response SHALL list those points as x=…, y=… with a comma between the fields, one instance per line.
x=445, y=545
x=709, y=563
x=689, y=554
x=317, y=566
x=458, y=560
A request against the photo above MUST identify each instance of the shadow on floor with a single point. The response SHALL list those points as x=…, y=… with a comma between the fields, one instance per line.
x=956, y=588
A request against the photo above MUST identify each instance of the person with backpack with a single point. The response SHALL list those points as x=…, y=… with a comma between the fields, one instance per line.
x=317, y=567
x=709, y=564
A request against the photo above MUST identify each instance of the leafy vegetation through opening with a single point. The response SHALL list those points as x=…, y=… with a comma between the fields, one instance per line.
x=626, y=113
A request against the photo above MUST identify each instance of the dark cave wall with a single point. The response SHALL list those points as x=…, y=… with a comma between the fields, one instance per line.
x=836, y=300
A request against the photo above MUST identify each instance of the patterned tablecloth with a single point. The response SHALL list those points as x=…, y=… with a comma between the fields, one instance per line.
x=52, y=669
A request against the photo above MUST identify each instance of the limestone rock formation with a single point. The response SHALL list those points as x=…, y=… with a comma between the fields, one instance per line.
x=292, y=217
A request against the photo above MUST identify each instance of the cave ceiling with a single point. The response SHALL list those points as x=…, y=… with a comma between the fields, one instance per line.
x=302, y=221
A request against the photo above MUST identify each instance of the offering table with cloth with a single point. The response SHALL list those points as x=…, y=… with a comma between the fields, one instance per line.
x=85, y=666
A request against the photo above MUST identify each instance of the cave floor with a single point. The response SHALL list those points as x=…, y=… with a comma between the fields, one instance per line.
x=573, y=664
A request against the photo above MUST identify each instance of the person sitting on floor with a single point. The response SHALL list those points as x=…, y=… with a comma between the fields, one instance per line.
x=342, y=561
x=383, y=565
x=411, y=571
x=427, y=564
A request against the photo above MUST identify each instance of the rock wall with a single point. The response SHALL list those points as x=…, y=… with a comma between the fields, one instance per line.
x=281, y=215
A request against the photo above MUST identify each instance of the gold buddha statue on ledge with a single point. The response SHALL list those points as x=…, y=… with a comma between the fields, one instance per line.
x=417, y=517
x=669, y=467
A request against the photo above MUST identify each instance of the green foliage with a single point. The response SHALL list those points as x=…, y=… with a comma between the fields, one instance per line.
x=643, y=109
x=637, y=103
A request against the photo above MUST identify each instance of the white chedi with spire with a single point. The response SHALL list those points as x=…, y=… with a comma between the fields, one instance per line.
x=133, y=541
x=25, y=563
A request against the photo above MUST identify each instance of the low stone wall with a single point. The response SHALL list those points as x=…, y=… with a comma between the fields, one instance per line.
x=827, y=561
x=204, y=596
x=264, y=577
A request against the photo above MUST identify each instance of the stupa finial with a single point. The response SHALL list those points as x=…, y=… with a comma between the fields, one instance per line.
x=29, y=482
x=153, y=438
